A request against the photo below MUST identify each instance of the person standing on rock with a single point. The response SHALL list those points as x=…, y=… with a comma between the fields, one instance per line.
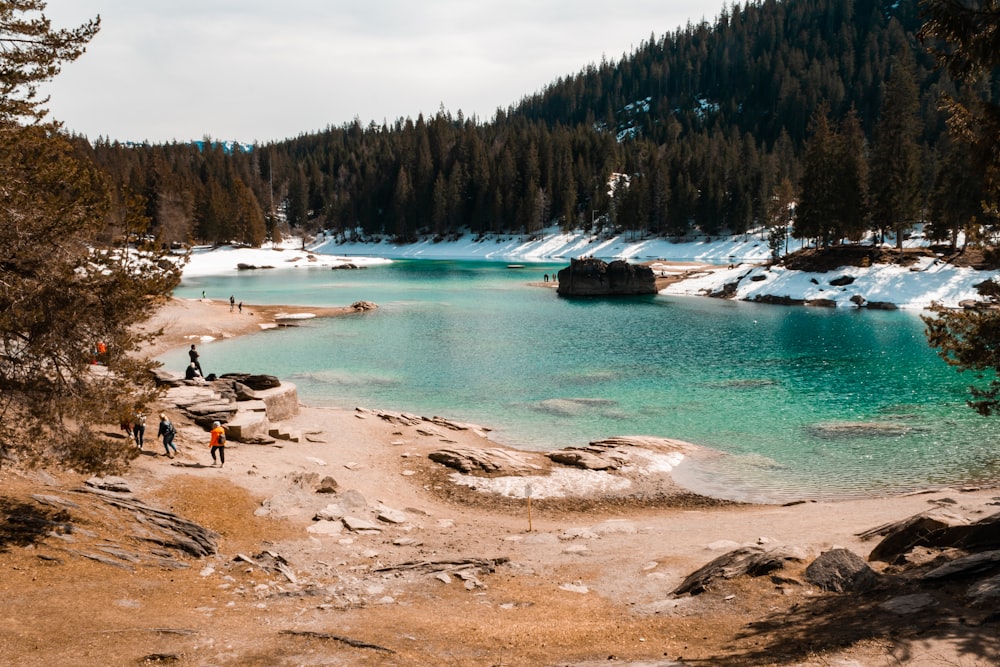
x=167, y=432
x=218, y=443
x=193, y=353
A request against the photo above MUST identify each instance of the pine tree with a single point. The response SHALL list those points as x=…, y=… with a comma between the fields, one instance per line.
x=297, y=206
x=852, y=179
x=965, y=38
x=956, y=202
x=62, y=293
x=401, y=206
x=895, y=162
x=817, y=190
x=969, y=47
x=439, y=205
x=61, y=297
x=31, y=52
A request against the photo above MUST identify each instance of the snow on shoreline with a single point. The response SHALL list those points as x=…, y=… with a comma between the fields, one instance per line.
x=911, y=288
x=209, y=261
x=929, y=281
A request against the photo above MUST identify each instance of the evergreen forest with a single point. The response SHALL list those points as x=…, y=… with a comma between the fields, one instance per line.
x=836, y=106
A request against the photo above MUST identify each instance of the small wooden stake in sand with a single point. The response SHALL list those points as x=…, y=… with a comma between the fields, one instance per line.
x=527, y=494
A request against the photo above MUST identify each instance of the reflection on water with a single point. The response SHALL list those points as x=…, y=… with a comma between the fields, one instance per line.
x=802, y=402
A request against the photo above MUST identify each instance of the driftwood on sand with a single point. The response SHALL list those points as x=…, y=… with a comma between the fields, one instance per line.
x=339, y=638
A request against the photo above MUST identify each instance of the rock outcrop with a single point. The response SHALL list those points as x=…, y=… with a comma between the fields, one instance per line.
x=937, y=530
x=494, y=460
x=840, y=571
x=246, y=404
x=753, y=561
x=595, y=277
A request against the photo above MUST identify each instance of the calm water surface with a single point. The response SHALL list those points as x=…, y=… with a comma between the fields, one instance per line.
x=798, y=401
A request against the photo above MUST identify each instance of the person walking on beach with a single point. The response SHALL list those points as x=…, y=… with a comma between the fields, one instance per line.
x=167, y=432
x=193, y=354
x=139, y=427
x=217, y=443
x=232, y=302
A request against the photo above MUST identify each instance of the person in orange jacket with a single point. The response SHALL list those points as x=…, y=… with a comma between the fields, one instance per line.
x=218, y=443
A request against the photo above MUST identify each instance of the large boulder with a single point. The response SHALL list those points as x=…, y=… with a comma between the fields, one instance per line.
x=594, y=277
x=754, y=561
x=282, y=402
x=248, y=426
x=936, y=529
x=841, y=571
x=253, y=381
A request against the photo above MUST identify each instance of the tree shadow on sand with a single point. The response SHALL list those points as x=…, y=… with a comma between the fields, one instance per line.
x=23, y=524
x=833, y=622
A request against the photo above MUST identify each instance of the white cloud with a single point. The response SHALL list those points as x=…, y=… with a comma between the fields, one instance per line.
x=255, y=70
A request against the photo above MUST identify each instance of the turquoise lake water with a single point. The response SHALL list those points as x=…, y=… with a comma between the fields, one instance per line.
x=800, y=402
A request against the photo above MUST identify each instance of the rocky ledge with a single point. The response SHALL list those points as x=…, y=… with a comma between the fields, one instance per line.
x=244, y=403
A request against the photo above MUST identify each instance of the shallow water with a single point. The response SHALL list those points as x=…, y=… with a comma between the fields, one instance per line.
x=802, y=402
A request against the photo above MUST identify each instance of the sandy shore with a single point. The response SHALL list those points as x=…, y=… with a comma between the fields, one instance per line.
x=436, y=573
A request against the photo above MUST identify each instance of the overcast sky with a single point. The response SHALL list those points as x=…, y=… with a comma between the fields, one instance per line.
x=263, y=70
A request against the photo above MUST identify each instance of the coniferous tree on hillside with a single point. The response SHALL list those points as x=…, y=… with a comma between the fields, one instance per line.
x=64, y=294
x=968, y=44
x=833, y=199
x=707, y=119
x=852, y=178
x=956, y=203
x=895, y=170
x=817, y=209
x=964, y=36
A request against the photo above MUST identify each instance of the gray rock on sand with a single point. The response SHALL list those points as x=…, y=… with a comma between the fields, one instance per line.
x=116, y=484
x=352, y=500
x=390, y=515
x=358, y=525
x=909, y=604
x=841, y=571
x=326, y=528
x=493, y=460
x=754, y=561
x=935, y=528
x=332, y=512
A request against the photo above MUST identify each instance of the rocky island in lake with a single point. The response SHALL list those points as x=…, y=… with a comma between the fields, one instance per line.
x=589, y=276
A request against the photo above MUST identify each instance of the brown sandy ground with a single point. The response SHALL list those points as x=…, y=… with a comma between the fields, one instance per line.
x=589, y=584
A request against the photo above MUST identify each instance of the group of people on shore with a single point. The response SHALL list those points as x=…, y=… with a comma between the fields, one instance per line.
x=217, y=439
x=134, y=423
x=135, y=427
